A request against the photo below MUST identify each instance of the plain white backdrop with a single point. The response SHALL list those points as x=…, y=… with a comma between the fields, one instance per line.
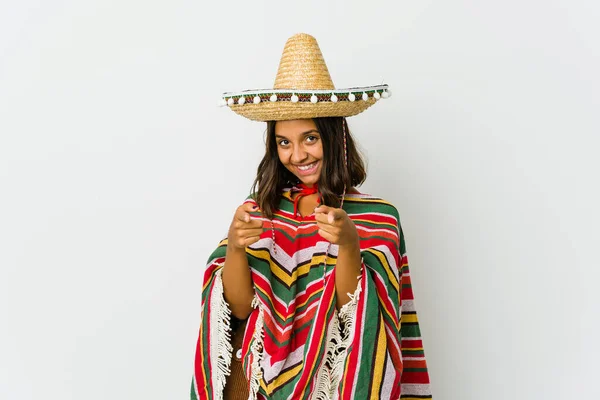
x=119, y=174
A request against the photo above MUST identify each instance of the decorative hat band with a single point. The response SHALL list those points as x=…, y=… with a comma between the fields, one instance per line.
x=305, y=96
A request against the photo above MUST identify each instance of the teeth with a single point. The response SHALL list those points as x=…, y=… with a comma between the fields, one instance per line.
x=306, y=167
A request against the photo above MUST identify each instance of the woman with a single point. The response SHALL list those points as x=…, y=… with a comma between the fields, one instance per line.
x=304, y=298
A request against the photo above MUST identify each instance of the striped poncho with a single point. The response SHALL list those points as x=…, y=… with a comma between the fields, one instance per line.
x=297, y=345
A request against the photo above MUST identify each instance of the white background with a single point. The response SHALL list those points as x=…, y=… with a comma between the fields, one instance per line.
x=119, y=174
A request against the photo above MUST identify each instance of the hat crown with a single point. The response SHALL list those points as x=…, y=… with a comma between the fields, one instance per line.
x=302, y=65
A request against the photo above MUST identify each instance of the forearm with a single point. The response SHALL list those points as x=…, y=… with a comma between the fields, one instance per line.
x=237, y=282
x=347, y=272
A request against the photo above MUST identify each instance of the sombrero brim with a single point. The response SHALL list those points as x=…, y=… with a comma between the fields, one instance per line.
x=279, y=105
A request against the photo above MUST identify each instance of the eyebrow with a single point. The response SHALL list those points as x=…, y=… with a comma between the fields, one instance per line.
x=303, y=134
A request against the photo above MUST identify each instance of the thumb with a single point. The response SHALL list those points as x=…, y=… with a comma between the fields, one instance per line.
x=335, y=214
x=332, y=216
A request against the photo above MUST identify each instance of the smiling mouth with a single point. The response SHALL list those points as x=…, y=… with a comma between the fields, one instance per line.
x=308, y=168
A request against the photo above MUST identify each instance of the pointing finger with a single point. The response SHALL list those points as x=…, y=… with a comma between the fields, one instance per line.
x=243, y=216
x=250, y=206
x=323, y=209
x=331, y=217
x=322, y=218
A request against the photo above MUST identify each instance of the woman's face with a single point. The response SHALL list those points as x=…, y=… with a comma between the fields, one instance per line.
x=300, y=149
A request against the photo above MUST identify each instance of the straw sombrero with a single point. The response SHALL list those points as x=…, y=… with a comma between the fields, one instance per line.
x=303, y=89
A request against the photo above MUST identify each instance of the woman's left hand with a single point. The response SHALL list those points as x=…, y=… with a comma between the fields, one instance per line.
x=336, y=226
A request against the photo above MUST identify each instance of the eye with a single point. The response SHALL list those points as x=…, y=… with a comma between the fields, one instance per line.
x=283, y=142
x=311, y=139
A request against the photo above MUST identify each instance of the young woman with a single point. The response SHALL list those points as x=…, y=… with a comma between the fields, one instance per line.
x=309, y=296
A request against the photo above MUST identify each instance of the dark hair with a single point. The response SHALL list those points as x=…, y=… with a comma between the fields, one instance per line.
x=272, y=177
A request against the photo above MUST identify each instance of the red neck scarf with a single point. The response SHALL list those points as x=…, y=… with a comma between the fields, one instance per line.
x=302, y=191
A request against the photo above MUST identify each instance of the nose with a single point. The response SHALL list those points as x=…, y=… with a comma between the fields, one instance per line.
x=299, y=154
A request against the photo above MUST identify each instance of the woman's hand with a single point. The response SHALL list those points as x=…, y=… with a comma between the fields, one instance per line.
x=237, y=280
x=336, y=226
x=244, y=229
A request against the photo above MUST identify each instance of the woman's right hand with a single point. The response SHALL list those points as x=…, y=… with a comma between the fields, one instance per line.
x=237, y=279
x=244, y=229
